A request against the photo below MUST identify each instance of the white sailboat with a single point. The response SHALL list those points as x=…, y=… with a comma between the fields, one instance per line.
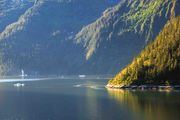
x=22, y=74
x=21, y=84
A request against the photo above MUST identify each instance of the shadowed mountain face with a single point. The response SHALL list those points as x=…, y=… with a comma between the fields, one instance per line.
x=140, y=17
x=38, y=35
x=123, y=30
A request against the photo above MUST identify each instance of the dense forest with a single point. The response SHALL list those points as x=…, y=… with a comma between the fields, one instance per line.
x=141, y=17
x=38, y=39
x=96, y=37
x=158, y=63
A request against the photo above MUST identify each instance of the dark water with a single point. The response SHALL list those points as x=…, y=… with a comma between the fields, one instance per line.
x=84, y=100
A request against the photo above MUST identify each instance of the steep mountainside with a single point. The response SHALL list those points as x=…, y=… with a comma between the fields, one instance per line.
x=144, y=17
x=158, y=63
x=40, y=36
x=36, y=35
x=113, y=40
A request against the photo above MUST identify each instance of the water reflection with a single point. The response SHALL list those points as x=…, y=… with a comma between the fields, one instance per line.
x=149, y=105
x=60, y=100
x=92, y=103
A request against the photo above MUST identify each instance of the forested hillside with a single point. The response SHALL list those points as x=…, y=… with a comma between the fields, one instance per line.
x=41, y=36
x=37, y=35
x=158, y=63
x=145, y=18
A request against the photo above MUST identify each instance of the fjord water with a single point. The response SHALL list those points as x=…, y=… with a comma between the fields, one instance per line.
x=78, y=99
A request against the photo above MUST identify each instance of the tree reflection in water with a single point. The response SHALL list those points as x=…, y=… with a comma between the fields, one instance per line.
x=149, y=105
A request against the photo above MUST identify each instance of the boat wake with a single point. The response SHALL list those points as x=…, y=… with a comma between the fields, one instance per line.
x=96, y=87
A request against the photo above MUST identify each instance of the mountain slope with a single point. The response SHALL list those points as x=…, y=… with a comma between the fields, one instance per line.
x=158, y=63
x=38, y=37
x=144, y=17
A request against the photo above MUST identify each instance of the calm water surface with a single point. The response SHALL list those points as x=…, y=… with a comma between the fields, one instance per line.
x=84, y=100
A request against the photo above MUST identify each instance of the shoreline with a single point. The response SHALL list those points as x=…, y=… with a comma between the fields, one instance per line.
x=145, y=87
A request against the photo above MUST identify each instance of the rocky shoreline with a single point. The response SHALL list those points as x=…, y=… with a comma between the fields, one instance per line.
x=145, y=87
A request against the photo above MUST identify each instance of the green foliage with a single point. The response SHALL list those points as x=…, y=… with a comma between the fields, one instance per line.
x=141, y=16
x=3, y=67
x=158, y=63
x=128, y=16
x=167, y=83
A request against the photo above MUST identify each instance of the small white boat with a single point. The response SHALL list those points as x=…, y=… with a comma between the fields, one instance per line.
x=19, y=85
x=82, y=76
